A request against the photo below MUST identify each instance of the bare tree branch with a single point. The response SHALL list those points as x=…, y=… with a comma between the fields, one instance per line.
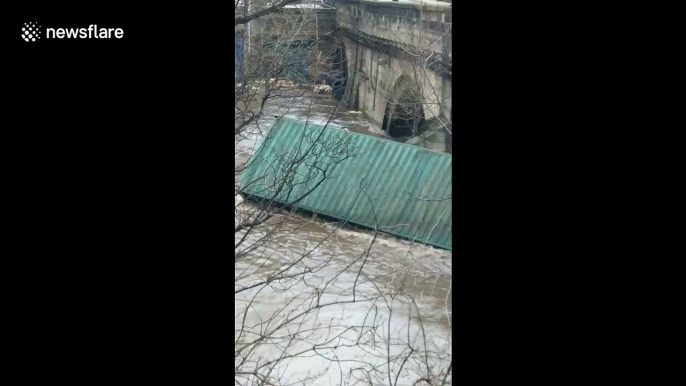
x=262, y=12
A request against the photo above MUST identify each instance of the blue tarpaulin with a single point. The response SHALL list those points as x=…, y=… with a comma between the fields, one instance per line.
x=239, y=56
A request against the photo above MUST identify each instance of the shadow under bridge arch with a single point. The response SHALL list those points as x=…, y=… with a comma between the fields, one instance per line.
x=337, y=77
x=404, y=115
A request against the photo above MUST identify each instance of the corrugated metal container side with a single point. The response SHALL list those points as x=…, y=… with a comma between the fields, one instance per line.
x=396, y=188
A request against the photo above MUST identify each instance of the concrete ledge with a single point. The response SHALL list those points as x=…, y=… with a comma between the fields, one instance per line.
x=428, y=5
x=396, y=49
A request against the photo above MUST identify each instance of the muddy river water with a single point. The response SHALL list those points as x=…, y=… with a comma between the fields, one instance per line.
x=420, y=276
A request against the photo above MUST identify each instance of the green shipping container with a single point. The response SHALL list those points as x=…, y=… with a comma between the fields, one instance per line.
x=394, y=187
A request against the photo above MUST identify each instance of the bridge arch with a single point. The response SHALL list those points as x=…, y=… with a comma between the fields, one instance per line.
x=340, y=67
x=336, y=74
x=404, y=114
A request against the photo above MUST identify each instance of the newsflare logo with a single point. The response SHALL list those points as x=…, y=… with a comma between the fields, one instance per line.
x=31, y=32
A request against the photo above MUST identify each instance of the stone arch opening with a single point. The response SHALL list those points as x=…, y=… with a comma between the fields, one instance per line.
x=340, y=67
x=404, y=115
x=338, y=74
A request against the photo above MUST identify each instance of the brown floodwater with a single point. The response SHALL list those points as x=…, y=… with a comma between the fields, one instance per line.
x=419, y=271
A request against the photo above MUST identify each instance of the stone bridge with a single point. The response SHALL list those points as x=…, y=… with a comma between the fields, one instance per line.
x=392, y=61
x=398, y=66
